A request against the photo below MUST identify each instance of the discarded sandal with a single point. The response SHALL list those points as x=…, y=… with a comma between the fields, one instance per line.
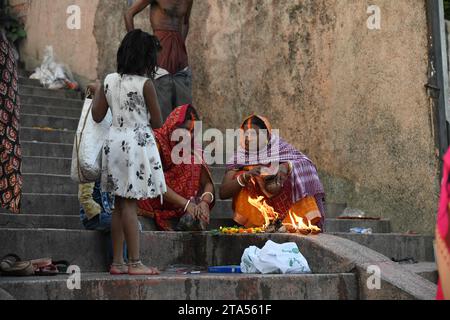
x=12, y=265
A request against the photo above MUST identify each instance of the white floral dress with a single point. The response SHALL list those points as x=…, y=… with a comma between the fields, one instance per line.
x=131, y=164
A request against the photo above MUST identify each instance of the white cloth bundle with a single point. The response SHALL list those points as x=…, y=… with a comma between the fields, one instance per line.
x=87, y=149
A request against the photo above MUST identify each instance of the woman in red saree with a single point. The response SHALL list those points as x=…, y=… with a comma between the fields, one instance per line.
x=190, y=196
x=443, y=234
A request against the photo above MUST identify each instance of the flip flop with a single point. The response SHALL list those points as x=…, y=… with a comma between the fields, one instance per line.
x=12, y=265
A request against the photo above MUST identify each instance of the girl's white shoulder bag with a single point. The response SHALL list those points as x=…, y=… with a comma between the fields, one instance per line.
x=87, y=150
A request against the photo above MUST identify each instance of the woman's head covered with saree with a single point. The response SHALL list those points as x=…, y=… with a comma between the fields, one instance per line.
x=262, y=146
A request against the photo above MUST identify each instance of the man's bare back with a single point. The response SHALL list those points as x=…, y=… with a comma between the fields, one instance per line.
x=167, y=15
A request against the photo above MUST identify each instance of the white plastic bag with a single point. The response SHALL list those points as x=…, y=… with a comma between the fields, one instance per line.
x=88, y=144
x=274, y=258
x=52, y=75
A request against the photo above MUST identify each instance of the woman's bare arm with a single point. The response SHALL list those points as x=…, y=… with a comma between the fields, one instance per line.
x=151, y=99
x=100, y=105
x=230, y=186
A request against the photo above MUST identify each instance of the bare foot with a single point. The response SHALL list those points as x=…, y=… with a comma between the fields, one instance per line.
x=118, y=269
x=139, y=269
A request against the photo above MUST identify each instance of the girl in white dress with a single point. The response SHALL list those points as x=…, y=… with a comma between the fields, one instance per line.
x=131, y=162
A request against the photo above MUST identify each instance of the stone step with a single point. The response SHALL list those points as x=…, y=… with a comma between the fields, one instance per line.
x=26, y=221
x=51, y=111
x=339, y=225
x=45, y=135
x=43, y=92
x=52, y=102
x=56, y=122
x=101, y=286
x=48, y=184
x=26, y=81
x=46, y=165
x=50, y=204
x=427, y=270
x=87, y=249
x=396, y=246
x=46, y=149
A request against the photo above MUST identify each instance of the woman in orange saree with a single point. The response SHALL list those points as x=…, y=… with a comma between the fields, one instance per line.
x=294, y=191
x=190, y=196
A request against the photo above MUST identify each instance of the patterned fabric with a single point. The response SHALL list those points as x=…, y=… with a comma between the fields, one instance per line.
x=131, y=165
x=304, y=180
x=183, y=179
x=443, y=233
x=10, y=150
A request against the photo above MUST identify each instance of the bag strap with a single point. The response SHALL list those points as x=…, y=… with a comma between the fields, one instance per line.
x=78, y=142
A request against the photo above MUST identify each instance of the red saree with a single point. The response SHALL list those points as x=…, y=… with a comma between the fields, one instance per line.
x=184, y=179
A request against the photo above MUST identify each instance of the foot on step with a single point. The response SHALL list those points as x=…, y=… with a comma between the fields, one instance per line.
x=137, y=268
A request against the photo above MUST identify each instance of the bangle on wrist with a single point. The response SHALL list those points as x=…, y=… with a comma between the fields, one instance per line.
x=210, y=194
x=239, y=180
x=187, y=205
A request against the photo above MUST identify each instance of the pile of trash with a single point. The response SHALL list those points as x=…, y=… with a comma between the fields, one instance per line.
x=54, y=75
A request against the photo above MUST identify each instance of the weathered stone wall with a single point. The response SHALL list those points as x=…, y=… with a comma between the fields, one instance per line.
x=353, y=99
x=46, y=25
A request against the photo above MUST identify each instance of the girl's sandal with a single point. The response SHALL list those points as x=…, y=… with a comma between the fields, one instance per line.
x=141, y=269
x=118, y=269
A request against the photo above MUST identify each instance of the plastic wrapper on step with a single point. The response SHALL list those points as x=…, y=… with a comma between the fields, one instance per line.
x=53, y=75
x=274, y=258
x=361, y=230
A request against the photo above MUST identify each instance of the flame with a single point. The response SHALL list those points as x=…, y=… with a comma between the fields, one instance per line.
x=267, y=211
x=297, y=224
x=300, y=226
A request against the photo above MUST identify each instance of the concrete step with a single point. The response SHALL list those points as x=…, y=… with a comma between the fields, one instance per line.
x=87, y=249
x=52, y=102
x=26, y=221
x=339, y=225
x=101, y=286
x=427, y=270
x=45, y=135
x=43, y=92
x=46, y=165
x=26, y=81
x=55, y=122
x=51, y=111
x=396, y=246
x=46, y=149
x=48, y=184
x=50, y=204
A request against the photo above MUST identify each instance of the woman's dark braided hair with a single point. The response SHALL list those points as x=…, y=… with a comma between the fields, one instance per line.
x=138, y=54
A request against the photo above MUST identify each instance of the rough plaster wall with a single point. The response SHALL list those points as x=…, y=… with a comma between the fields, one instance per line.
x=110, y=30
x=350, y=98
x=46, y=25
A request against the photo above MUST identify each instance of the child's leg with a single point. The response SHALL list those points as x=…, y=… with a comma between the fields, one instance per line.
x=117, y=232
x=132, y=235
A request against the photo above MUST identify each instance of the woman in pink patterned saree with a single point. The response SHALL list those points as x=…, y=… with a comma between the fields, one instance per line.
x=443, y=234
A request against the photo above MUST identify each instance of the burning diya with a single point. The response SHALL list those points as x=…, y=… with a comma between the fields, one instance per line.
x=274, y=224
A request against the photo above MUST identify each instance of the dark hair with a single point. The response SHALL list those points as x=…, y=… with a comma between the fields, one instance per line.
x=191, y=113
x=257, y=121
x=138, y=54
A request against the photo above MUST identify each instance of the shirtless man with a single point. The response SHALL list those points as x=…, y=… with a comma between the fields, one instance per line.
x=170, y=23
